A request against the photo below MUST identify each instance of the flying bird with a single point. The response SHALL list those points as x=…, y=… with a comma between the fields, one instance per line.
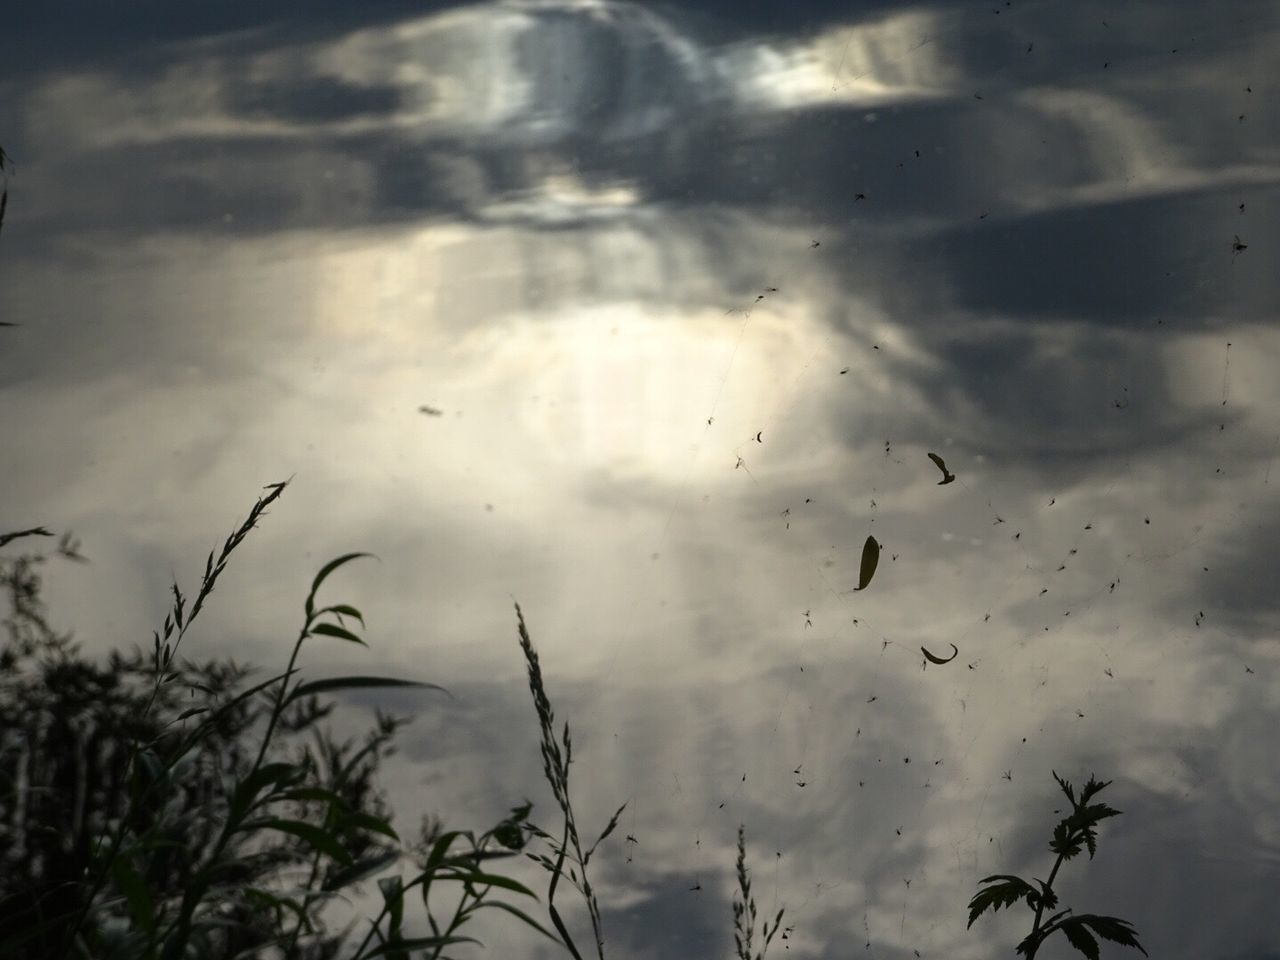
x=947, y=475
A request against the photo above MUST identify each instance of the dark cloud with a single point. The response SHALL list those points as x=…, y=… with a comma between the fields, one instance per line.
x=1127, y=263
x=313, y=100
x=138, y=36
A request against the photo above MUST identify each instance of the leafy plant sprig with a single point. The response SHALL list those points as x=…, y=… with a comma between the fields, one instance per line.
x=1075, y=832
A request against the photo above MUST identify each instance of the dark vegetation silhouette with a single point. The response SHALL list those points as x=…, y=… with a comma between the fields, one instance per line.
x=1077, y=831
x=139, y=821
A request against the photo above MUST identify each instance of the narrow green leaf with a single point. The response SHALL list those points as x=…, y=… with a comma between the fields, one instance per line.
x=332, y=630
x=870, y=558
x=267, y=898
x=327, y=569
x=200, y=732
x=317, y=838
x=135, y=892
x=417, y=943
x=356, y=683
x=344, y=609
x=319, y=794
x=440, y=848
x=359, y=818
x=360, y=870
x=270, y=774
x=392, y=890
x=517, y=912
x=490, y=880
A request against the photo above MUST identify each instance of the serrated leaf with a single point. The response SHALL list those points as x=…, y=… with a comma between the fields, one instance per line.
x=1092, y=788
x=1064, y=842
x=1113, y=929
x=1046, y=896
x=1080, y=937
x=1092, y=814
x=1066, y=788
x=870, y=558
x=1004, y=891
x=333, y=630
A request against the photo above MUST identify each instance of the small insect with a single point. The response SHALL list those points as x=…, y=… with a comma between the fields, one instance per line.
x=859, y=196
x=631, y=839
x=430, y=411
x=759, y=434
x=1008, y=775
x=1108, y=672
x=1238, y=245
x=696, y=886
x=815, y=243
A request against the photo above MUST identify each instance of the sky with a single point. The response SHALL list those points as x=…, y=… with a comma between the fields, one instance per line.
x=688, y=293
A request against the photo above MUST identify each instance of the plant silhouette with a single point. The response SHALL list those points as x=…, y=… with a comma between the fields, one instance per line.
x=1075, y=832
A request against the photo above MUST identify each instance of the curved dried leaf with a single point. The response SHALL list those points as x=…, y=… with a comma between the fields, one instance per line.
x=870, y=558
x=955, y=652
